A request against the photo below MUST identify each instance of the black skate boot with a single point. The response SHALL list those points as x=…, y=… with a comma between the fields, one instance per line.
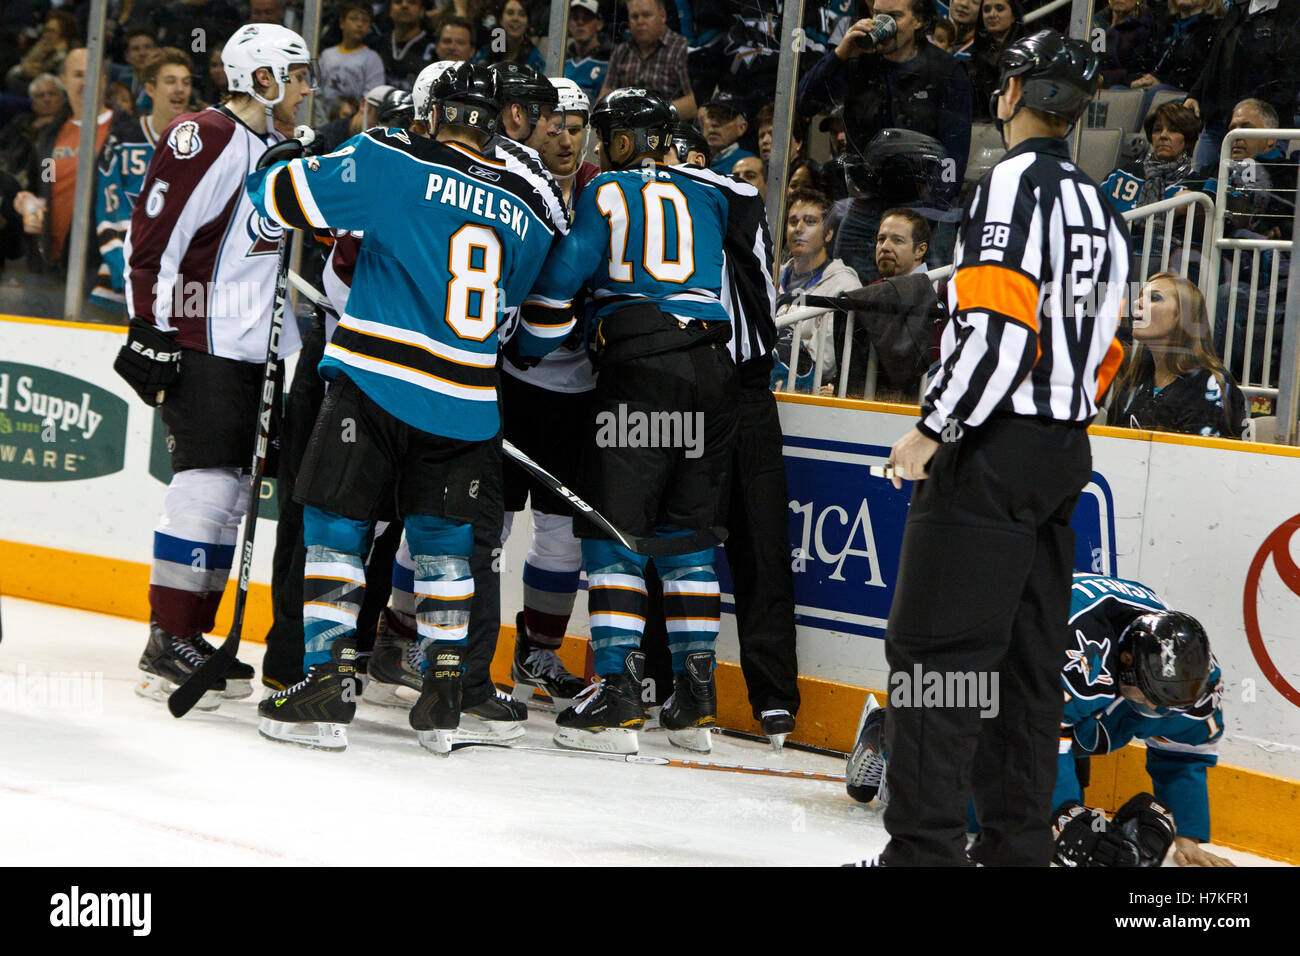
x=777, y=725
x=167, y=662
x=540, y=669
x=495, y=719
x=395, y=679
x=316, y=711
x=865, y=771
x=692, y=709
x=436, y=715
x=238, y=676
x=607, y=714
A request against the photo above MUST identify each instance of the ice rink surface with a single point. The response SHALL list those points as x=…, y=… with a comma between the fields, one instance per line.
x=92, y=775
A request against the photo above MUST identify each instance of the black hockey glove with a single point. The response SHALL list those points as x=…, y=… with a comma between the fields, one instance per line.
x=1149, y=826
x=281, y=152
x=150, y=360
x=1084, y=837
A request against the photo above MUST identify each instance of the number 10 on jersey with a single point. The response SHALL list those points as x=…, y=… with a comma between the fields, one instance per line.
x=656, y=259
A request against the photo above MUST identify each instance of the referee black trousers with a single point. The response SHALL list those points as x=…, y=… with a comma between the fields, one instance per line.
x=982, y=602
x=759, y=555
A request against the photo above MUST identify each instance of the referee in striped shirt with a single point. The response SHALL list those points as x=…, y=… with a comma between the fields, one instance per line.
x=984, y=578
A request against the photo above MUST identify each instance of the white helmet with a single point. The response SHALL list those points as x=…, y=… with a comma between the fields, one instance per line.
x=257, y=45
x=572, y=99
x=424, y=83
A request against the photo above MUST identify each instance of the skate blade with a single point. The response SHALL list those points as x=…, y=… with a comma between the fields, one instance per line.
x=154, y=687
x=475, y=730
x=382, y=694
x=237, y=689
x=538, y=699
x=695, y=739
x=611, y=740
x=436, y=741
x=777, y=741
x=319, y=735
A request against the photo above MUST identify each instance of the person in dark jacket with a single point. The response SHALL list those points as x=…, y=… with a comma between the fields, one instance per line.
x=1256, y=54
x=1182, y=44
x=1130, y=43
x=1002, y=22
x=1172, y=380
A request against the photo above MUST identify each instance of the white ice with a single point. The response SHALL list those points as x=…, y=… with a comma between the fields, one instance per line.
x=108, y=778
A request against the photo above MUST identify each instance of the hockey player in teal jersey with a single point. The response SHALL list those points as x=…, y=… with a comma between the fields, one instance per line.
x=123, y=162
x=1136, y=670
x=648, y=239
x=454, y=239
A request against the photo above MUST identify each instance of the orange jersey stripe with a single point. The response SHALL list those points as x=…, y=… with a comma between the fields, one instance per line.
x=1109, y=366
x=998, y=289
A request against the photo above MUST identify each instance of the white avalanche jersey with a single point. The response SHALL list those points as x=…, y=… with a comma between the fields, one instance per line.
x=199, y=257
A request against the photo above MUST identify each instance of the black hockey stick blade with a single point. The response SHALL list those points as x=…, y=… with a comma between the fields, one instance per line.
x=183, y=698
x=650, y=547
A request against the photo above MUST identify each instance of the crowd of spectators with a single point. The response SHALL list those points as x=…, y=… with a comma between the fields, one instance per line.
x=877, y=127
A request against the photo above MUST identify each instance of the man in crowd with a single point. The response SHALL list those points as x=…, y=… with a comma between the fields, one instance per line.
x=750, y=169
x=723, y=122
x=455, y=40
x=589, y=51
x=654, y=59
x=405, y=49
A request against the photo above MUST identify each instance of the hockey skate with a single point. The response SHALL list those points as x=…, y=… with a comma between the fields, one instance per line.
x=777, y=725
x=692, y=710
x=238, y=676
x=496, y=720
x=865, y=772
x=535, y=669
x=436, y=715
x=607, y=714
x=395, y=679
x=167, y=662
x=316, y=711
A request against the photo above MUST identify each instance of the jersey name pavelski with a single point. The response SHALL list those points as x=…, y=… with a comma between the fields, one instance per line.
x=199, y=256
x=1041, y=273
x=453, y=240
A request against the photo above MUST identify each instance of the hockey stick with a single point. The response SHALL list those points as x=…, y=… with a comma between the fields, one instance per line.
x=210, y=671
x=650, y=547
x=661, y=761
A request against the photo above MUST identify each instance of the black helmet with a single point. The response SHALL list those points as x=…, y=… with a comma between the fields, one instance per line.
x=901, y=166
x=467, y=95
x=397, y=108
x=1166, y=655
x=647, y=115
x=523, y=85
x=1060, y=75
x=686, y=139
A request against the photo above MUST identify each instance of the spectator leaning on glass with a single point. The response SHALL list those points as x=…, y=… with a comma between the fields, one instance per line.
x=1255, y=54
x=589, y=51
x=1172, y=380
x=1182, y=45
x=1172, y=130
x=653, y=59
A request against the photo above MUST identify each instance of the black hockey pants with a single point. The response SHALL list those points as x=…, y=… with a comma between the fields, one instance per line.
x=983, y=594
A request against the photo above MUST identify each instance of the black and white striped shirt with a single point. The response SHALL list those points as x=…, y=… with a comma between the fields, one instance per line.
x=1040, y=282
x=748, y=292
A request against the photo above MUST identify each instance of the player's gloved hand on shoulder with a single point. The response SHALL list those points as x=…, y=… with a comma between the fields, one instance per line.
x=149, y=361
x=1084, y=837
x=281, y=152
x=1149, y=826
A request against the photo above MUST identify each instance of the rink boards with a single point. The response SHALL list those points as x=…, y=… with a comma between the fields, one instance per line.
x=1211, y=525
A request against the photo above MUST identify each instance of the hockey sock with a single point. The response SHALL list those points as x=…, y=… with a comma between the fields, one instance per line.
x=187, y=546
x=616, y=600
x=552, y=571
x=334, y=580
x=219, y=573
x=444, y=586
x=692, y=605
x=402, y=601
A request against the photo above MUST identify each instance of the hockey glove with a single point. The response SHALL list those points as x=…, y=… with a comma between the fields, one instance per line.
x=280, y=153
x=1149, y=826
x=150, y=360
x=1084, y=837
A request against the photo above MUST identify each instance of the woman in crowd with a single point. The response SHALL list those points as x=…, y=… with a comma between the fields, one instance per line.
x=1002, y=21
x=1172, y=380
x=1163, y=172
x=1182, y=44
x=965, y=16
x=1130, y=40
x=518, y=45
